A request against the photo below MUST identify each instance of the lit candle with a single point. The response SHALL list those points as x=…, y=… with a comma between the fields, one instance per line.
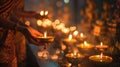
x=45, y=34
x=101, y=46
x=81, y=35
x=69, y=40
x=85, y=45
x=101, y=58
x=70, y=37
x=45, y=38
x=101, y=55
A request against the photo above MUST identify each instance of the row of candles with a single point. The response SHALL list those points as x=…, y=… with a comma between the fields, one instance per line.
x=85, y=45
x=97, y=58
x=70, y=41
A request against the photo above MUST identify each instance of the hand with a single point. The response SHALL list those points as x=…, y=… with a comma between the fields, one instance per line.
x=30, y=34
x=34, y=32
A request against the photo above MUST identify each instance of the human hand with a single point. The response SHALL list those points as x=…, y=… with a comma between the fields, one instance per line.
x=30, y=34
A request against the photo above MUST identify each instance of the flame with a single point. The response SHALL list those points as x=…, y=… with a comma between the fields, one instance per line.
x=101, y=44
x=101, y=55
x=45, y=34
x=75, y=33
x=81, y=34
x=85, y=43
x=46, y=12
x=75, y=52
x=42, y=13
x=70, y=37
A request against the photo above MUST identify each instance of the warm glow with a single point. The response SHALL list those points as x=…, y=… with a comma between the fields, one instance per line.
x=72, y=28
x=101, y=44
x=66, y=1
x=47, y=22
x=27, y=23
x=70, y=37
x=75, y=33
x=60, y=26
x=75, y=52
x=45, y=34
x=39, y=22
x=65, y=30
x=46, y=12
x=69, y=64
x=42, y=13
x=81, y=35
x=85, y=43
x=101, y=55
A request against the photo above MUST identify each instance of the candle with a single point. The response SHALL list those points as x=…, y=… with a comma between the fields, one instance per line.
x=101, y=46
x=70, y=37
x=45, y=38
x=82, y=36
x=101, y=58
x=85, y=45
x=45, y=34
x=74, y=55
x=69, y=40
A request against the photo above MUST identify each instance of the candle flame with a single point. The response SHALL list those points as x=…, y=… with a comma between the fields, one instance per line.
x=81, y=35
x=42, y=13
x=101, y=44
x=85, y=43
x=75, y=53
x=70, y=37
x=46, y=12
x=45, y=34
x=101, y=55
x=75, y=33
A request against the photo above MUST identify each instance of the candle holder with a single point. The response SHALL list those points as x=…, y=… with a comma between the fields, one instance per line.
x=101, y=47
x=100, y=60
x=74, y=58
x=46, y=40
x=66, y=41
x=86, y=48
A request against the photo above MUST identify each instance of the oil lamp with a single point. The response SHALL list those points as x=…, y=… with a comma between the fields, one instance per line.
x=101, y=58
x=69, y=40
x=44, y=54
x=85, y=45
x=45, y=38
x=82, y=37
x=101, y=47
x=74, y=57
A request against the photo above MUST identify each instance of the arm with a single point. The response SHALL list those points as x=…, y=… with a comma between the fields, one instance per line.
x=28, y=32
